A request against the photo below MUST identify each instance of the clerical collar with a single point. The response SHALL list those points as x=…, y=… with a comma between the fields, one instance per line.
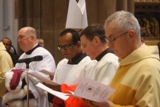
x=29, y=52
x=99, y=57
x=77, y=58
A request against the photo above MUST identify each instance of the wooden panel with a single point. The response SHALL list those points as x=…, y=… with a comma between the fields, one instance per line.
x=148, y=15
x=147, y=6
x=49, y=18
x=106, y=8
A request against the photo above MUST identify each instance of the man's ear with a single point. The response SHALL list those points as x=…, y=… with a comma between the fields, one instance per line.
x=78, y=44
x=131, y=35
x=96, y=40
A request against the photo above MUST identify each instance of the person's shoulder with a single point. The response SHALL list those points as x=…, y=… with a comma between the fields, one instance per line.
x=87, y=62
x=110, y=57
x=4, y=56
x=87, y=58
x=63, y=61
x=4, y=53
x=43, y=51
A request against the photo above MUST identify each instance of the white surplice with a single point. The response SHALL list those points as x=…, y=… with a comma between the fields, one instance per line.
x=71, y=74
x=48, y=64
x=106, y=68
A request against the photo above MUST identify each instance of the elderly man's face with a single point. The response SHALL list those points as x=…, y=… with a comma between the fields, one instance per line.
x=117, y=41
x=25, y=40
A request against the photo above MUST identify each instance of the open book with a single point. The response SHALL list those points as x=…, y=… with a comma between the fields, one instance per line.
x=87, y=89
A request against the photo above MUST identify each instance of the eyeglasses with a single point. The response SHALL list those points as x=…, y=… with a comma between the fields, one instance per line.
x=65, y=46
x=111, y=40
x=84, y=45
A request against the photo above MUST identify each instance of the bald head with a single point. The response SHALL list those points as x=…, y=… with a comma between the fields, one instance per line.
x=29, y=31
x=27, y=38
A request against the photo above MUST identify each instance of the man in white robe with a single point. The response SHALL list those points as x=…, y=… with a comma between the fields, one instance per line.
x=29, y=44
x=73, y=67
x=94, y=44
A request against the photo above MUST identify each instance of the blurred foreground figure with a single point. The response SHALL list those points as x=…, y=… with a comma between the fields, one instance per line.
x=5, y=65
x=10, y=49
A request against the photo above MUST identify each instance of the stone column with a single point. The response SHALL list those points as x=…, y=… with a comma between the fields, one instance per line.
x=106, y=8
x=121, y=5
x=130, y=6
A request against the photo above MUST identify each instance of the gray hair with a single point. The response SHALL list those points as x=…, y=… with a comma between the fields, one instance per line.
x=124, y=21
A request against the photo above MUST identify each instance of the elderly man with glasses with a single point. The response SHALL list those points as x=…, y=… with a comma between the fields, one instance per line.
x=136, y=81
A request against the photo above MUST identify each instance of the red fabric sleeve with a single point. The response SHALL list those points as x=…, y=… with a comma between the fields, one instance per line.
x=57, y=102
x=75, y=102
x=65, y=88
x=16, y=78
x=72, y=101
